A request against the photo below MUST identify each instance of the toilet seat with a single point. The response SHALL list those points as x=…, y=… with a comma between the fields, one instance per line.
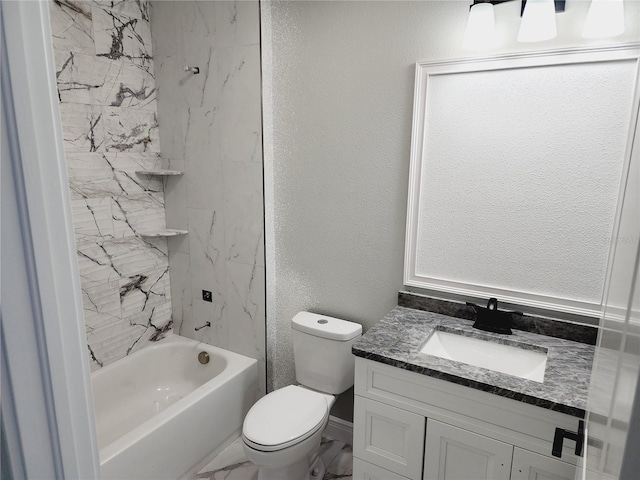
x=284, y=418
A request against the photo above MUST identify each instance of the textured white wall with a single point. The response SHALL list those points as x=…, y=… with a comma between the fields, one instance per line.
x=535, y=195
x=338, y=92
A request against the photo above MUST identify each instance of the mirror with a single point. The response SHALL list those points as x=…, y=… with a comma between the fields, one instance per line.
x=516, y=165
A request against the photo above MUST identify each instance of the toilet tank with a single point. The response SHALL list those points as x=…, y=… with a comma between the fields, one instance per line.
x=322, y=351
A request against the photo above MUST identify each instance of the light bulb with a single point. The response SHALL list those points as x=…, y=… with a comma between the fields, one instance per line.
x=480, y=33
x=538, y=21
x=604, y=19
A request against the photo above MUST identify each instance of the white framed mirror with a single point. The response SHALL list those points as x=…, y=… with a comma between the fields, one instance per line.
x=516, y=164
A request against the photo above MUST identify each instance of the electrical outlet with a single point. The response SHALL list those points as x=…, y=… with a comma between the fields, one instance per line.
x=206, y=296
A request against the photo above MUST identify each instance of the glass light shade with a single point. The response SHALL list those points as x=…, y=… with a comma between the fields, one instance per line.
x=480, y=31
x=604, y=19
x=538, y=21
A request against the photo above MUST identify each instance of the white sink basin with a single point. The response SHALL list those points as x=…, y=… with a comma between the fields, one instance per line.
x=509, y=359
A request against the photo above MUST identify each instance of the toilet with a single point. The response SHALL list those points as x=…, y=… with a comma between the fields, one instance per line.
x=282, y=431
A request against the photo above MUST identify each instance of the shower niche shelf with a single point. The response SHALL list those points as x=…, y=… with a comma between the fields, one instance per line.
x=160, y=172
x=162, y=232
x=165, y=232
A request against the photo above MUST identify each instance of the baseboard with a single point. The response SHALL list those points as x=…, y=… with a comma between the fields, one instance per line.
x=339, y=430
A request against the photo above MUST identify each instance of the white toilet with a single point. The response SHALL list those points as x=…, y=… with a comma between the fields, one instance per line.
x=282, y=431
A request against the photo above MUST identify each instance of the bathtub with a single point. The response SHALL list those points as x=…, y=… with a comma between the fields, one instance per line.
x=161, y=414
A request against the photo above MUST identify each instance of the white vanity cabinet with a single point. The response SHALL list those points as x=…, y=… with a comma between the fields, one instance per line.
x=412, y=426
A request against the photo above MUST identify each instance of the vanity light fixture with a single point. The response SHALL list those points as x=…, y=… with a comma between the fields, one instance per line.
x=604, y=19
x=538, y=22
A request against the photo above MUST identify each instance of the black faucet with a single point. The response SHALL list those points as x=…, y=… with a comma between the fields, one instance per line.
x=490, y=319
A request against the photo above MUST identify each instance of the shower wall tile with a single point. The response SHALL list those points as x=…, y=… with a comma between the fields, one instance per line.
x=195, y=21
x=134, y=131
x=199, y=90
x=237, y=23
x=175, y=196
x=170, y=110
x=127, y=8
x=156, y=321
x=166, y=20
x=137, y=214
x=133, y=255
x=82, y=128
x=112, y=174
x=108, y=108
x=91, y=175
x=141, y=293
x=118, y=35
x=243, y=206
x=99, y=81
x=240, y=104
x=203, y=166
x=246, y=314
x=71, y=26
x=211, y=125
x=101, y=303
x=125, y=167
x=92, y=217
x=181, y=300
x=94, y=261
x=206, y=251
x=216, y=333
x=78, y=75
x=112, y=341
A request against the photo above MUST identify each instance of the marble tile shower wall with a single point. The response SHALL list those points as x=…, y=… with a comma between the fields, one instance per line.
x=210, y=127
x=107, y=93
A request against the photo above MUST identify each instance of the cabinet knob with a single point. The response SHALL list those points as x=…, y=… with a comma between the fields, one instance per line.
x=561, y=434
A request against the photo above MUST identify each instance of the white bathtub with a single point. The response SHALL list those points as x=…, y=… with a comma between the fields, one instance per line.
x=160, y=414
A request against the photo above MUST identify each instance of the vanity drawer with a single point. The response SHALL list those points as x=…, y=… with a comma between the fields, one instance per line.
x=389, y=437
x=367, y=471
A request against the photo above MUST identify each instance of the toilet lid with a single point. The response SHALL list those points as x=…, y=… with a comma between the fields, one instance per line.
x=284, y=417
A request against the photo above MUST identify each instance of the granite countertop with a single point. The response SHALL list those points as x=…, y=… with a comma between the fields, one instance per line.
x=397, y=339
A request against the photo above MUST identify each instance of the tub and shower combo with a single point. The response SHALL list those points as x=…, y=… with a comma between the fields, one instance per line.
x=166, y=410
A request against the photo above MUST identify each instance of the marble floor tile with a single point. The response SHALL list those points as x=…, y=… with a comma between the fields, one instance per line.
x=342, y=465
x=232, y=464
x=329, y=450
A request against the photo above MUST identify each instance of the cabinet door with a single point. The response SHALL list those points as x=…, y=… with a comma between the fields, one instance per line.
x=533, y=466
x=389, y=437
x=367, y=471
x=452, y=453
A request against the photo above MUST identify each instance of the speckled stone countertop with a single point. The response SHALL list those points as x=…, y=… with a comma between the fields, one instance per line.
x=397, y=339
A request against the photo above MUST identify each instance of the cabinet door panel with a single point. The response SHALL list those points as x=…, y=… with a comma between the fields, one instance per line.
x=452, y=453
x=390, y=437
x=533, y=466
x=367, y=471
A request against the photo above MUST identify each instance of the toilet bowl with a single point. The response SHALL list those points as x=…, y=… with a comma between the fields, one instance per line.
x=282, y=432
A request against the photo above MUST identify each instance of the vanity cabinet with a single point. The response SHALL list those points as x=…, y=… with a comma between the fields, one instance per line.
x=412, y=426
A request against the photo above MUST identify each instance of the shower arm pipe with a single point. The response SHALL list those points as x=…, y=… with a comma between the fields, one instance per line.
x=194, y=70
